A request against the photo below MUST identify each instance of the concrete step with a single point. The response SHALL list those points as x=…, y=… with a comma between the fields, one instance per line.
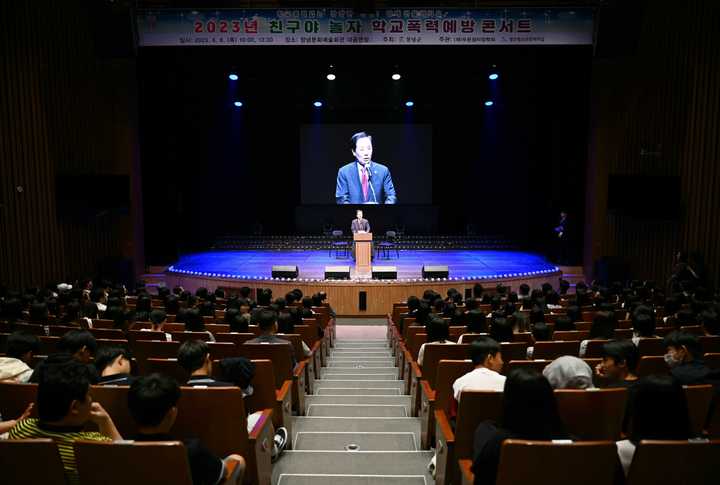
x=330, y=373
x=360, y=369
x=357, y=391
x=330, y=383
x=368, y=464
x=358, y=399
x=298, y=479
x=386, y=363
x=369, y=341
x=380, y=344
x=355, y=425
x=358, y=410
x=363, y=441
x=353, y=354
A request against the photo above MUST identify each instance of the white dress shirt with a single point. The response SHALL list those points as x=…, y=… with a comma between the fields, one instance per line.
x=479, y=379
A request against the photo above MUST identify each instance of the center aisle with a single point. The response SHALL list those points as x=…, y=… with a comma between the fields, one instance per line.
x=357, y=428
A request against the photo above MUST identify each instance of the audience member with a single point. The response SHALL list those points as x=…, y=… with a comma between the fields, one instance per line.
x=194, y=323
x=194, y=357
x=659, y=411
x=541, y=332
x=152, y=401
x=684, y=357
x=530, y=412
x=438, y=333
x=15, y=366
x=487, y=359
x=620, y=359
x=113, y=365
x=64, y=408
x=267, y=321
x=602, y=328
x=569, y=372
x=501, y=329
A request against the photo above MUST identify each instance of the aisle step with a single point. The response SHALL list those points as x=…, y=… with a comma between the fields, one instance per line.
x=361, y=369
x=358, y=410
x=356, y=425
x=357, y=391
x=297, y=479
x=358, y=399
x=328, y=383
x=332, y=375
x=364, y=441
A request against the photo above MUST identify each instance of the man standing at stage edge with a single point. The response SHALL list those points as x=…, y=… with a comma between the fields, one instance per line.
x=363, y=181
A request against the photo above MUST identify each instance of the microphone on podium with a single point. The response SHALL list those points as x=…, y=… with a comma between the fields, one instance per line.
x=369, y=174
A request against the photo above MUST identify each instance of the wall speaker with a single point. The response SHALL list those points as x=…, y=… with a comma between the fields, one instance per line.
x=435, y=272
x=284, y=271
x=337, y=272
x=384, y=272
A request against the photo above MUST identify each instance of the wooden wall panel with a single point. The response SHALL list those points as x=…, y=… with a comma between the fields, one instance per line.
x=663, y=99
x=62, y=109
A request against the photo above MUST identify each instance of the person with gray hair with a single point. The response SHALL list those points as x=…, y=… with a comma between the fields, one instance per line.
x=569, y=372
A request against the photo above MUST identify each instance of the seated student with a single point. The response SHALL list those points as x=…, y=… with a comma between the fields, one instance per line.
x=240, y=371
x=529, y=412
x=710, y=322
x=267, y=321
x=76, y=344
x=602, y=328
x=438, y=333
x=6, y=426
x=541, y=333
x=564, y=324
x=65, y=406
x=306, y=310
x=684, y=357
x=240, y=323
x=569, y=372
x=194, y=357
x=643, y=326
x=501, y=329
x=158, y=318
x=487, y=359
x=476, y=323
x=152, y=401
x=286, y=325
x=194, y=323
x=659, y=411
x=20, y=349
x=113, y=365
x=620, y=359
x=574, y=313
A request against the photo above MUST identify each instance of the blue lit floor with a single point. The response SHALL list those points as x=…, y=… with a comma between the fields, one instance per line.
x=462, y=263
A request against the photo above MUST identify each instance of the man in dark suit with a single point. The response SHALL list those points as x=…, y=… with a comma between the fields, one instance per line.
x=363, y=181
x=360, y=225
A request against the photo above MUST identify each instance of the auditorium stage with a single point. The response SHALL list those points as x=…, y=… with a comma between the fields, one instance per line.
x=234, y=269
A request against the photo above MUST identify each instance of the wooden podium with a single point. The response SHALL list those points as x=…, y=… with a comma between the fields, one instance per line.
x=363, y=253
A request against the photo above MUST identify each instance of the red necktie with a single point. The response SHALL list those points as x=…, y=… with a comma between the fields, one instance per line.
x=364, y=184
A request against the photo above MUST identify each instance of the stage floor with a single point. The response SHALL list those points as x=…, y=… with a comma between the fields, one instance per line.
x=462, y=264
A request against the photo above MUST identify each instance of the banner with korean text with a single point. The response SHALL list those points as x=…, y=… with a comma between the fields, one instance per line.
x=326, y=26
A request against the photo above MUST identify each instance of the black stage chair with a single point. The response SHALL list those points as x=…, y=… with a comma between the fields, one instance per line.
x=339, y=244
x=387, y=245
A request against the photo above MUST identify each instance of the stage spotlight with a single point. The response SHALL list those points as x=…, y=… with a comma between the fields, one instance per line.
x=330, y=77
x=233, y=77
x=396, y=77
x=489, y=103
x=409, y=104
x=317, y=104
x=238, y=104
x=493, y=76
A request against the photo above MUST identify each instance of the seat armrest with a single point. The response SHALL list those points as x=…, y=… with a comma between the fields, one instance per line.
x=284, y=391
x=262, y=425
x=445, y=468
x=261, y=444
x=299, y=369
x=468, y=477
x=427, y=390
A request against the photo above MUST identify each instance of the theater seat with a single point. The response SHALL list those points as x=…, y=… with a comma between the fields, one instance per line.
x=676, y=462
x=548, y=463
x=19, y=460
x=592, y=414
x=151, y=462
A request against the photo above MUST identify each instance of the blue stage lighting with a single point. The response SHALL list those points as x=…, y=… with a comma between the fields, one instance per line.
x=488, y=103
x=233, y=77
x=238, y=104
x=317, y=104
x=493, y=76
x=409, y=104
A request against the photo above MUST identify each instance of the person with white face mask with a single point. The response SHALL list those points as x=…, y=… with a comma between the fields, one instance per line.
x=684, y=357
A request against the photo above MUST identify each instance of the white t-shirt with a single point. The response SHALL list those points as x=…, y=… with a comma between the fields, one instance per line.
x=626, y=451
x=479, y=379
x=421, y=352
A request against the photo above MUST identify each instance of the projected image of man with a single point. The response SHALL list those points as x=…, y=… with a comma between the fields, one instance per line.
x=364, y=181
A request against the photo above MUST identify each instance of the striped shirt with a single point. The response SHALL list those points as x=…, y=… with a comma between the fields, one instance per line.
x=30, y=428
